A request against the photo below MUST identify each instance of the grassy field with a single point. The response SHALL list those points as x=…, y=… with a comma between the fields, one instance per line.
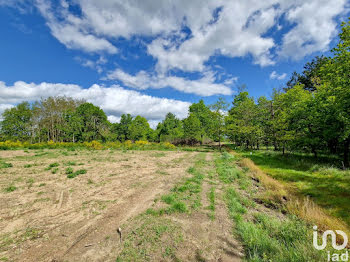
x=326, y=185
x=174, y=205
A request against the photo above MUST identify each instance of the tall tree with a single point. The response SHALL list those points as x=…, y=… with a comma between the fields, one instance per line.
x=124, y=127
x=242, y=121
x=139, y=129
x=16, y=124
x=94, y=121
x=192, y=128
x=335, y=90
x=218, y=114
x=170, y=129
x=204, y=115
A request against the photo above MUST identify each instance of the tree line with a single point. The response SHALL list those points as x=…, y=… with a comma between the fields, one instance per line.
x=63, y=119
x=311, y=113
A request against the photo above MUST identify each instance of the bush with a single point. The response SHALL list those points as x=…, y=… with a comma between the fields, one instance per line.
x=76, y=173
x=69, y=170
x=94, y=145
x=10, y=188
x=5, y=165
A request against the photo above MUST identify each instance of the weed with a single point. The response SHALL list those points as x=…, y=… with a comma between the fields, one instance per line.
x=211, y=207
x=5, y=165
x=76, y=173
x=52, y=165
x=70, y=163
x=54, y=171
x=69, y=171
x=30, y=182
x=155, y=237
x=28, y=166
x=10, y=188
x=159, y=154
x=162, y=172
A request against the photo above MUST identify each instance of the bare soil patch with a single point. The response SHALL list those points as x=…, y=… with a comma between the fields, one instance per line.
x=49, y=217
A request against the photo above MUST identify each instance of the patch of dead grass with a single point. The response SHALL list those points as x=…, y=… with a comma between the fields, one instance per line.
x=302, y=207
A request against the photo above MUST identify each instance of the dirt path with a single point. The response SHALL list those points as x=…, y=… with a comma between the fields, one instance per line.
x=211, y=238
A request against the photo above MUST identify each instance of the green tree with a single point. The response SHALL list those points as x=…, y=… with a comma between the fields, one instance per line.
x=203, y=113
x=124, y=127
x=192, y=128
x=334, y=94
x=311, y=76
x=139, y=129
x=16, y=124
x=242, y=121
x=218, y=119
x=94, y=120
x=170, y=129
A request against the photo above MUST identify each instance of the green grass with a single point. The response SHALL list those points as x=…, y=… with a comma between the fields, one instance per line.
x=151, y=239
x=69, y=171
x=5, y=165
x=265, y=237
x=184, y=197
x=70, y=163
x=329, y=187
x=10, y=188
x=211, y=207
x=76, y=173
x=52, y=165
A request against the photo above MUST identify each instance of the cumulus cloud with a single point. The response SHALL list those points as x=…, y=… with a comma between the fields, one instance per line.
x=314, y=29
x=274, y=75
x=114, y=100
x=69, y=30
x=230, y=28
x=204, y=86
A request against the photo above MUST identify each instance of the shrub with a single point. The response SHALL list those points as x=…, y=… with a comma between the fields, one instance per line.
x=10, y=188
x=5, y=165
x=69, y=170
x=77, y=173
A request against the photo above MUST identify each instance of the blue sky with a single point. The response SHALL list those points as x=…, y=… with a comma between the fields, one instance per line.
x=150, y=57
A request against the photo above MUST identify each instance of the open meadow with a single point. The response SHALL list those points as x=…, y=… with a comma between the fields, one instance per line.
x=179, y=205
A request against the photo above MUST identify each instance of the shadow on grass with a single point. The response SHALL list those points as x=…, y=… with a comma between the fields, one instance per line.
x=329, y=187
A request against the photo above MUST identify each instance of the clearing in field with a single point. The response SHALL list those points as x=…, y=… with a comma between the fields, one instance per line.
x=63, y=205
x=59, y=205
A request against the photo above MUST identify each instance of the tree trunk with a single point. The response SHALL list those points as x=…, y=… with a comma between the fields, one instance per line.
x=346, y=153
x=314, y=151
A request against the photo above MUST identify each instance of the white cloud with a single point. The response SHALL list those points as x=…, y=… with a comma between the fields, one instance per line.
x=69, y=31
x=114, y=100
x=315, y=27
x=95, y=65
x=238, y=29
x=204, y=86
x=274, y=75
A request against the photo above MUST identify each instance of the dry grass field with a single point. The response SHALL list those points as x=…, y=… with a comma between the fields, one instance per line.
x=60, y=205
x=47, y=216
